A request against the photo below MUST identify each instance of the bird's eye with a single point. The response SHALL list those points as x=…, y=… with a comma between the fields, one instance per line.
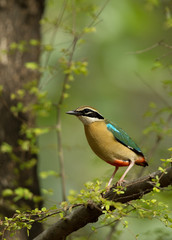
x=86, y=110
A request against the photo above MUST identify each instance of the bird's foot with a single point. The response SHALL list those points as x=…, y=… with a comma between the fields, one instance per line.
x=120, y=182
x=109, y=186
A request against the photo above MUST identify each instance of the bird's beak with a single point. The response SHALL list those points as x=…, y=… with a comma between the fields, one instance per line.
x=74, y=112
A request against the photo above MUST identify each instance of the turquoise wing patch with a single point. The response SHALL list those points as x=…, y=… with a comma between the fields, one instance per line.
x=121, y=136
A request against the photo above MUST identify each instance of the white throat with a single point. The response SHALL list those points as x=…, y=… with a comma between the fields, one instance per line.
x=87, y=120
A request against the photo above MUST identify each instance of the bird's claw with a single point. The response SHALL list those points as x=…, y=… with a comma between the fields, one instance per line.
x=120, y=182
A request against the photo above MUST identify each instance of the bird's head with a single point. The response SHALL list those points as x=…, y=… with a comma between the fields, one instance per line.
x=87, y=114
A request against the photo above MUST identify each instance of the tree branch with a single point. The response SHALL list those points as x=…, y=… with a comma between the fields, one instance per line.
x=83, y=215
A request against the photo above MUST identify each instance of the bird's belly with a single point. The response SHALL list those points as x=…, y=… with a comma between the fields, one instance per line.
x=108, y=148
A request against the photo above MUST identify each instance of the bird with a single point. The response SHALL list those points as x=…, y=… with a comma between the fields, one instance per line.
x=109, y=142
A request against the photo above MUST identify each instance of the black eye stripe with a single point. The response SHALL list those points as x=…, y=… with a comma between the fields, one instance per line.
x=95, y=115
x=91, y=113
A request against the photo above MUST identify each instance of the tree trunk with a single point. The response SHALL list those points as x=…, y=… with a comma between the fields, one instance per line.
x=19, y=23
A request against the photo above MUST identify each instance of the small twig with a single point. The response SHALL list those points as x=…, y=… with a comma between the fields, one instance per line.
x=98, y=14
x=160, y=43
x=153, y=90
x=58, y=22
x=60, y=102
x=163, y=56
x=58, y=125
x=112, y=230
x=60, y=153
x=159, y=137
x=147, y=49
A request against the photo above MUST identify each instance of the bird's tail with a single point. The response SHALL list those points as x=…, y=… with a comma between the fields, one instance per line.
x=141, y=161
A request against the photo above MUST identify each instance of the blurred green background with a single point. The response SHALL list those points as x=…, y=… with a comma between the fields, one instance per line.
x=120, y=84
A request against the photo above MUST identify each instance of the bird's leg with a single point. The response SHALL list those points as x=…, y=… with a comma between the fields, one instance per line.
x=109, y=183
x=125, y=173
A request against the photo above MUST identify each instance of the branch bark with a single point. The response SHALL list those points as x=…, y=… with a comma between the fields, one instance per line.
x=90, y=213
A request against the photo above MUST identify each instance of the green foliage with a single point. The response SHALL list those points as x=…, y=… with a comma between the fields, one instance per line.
x=45, y=174
x=32, y=65
x=21, y=47
x=20, y=193
x=91, y=195
x=77, y=68
x=22, y=220
x=6, y=148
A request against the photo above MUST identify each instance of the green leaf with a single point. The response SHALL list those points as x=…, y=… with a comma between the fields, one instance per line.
x=153, y=201
x=6, y=148
x=28, y=164
x=61, y=214
x=32, y=65
x=13, y=96
x=162, y=170
x=13, y=46
x=45, y=174
x=67, y=86
x=43, y=209
x=40, y=131
x=152, y=105
x=1, y=89
x=155, y=189
x=157, y=64
x=37, y=199
x=47, y=191
x=34, y=42
x=125, y=224
x=7, y=192
x=18, y=211
x=107, y=207
x=93, y=228
x=48, y=48
x=89, y=29
x=25, y=145
x=22, y=193
x=21, y=93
